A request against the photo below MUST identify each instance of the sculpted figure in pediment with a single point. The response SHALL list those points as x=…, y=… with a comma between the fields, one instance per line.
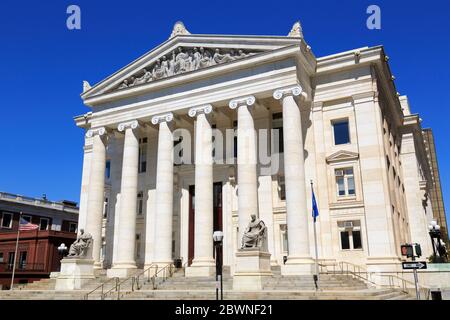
x=158, y=71
x=182, y=61
x=196, y=57
x=222, y=58
x=145, y=78
x=241, y=54
x=133, y=81
x=165, y=66
x=205, y=61
x=124, y=84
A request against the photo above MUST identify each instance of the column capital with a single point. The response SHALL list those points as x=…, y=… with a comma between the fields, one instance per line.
x=289, y=91
x=242, y=101
x=96, y=131
x=134, y=124
x=164, y=117
x=206, y=109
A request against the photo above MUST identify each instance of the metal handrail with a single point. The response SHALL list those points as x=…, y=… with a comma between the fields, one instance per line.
x=362, y=273
x=142, y=273
x=102, y=288
x=164, y=273
x=167, y=272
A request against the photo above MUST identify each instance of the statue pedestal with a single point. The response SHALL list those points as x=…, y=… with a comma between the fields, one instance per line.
x=252, y=266
x=75, y=272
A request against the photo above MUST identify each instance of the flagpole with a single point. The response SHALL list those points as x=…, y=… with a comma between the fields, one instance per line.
x=315, y=242
x=15, y=253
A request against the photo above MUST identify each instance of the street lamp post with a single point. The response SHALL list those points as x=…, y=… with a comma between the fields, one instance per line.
x=435, y=233
x=218, y=238
x=62, y=249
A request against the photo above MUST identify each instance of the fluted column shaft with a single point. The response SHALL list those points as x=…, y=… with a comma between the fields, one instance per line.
x=164, y=192
x=96, y=188
x=203, y=263
x=294, y=172
x=246, y=162
x=129, y=184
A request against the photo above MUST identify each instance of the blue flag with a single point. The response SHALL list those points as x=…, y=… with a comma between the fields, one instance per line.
x=315, y=210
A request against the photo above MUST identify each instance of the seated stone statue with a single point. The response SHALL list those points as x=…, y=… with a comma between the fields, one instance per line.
x=80, y=246
x=255, y=233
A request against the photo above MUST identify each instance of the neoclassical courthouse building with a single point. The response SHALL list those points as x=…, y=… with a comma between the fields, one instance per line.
x=205, y=130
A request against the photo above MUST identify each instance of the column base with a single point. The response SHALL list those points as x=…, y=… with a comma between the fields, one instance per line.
x=121, y=271
x=252, y=268
x=298, y=266
x=201, y=268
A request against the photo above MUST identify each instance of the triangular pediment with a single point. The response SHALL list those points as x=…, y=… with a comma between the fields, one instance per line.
x=187, y=53
x=342, y=155
x=183, y=60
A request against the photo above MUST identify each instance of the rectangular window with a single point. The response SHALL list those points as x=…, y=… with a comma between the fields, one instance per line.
x=140, y=204
x=108, y=169
x=138, y=246
x=356, y=239
x=11, y=260
x=143, y=155
x=277, y=124
x=350, y=235
x=43, y=224
x=345, y=240
x=281, y=188
x=22, y=260
x=105, y=208
x=1, y=257
x=284, y=238
x=7, y=219
x=27, y=218
x=345, y=182
x=72, y=227
x=235, y=139
x=341, y=132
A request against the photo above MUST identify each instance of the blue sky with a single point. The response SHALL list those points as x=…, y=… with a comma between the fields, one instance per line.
x=42, y=65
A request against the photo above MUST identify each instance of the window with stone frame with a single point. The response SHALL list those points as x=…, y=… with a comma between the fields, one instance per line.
x=341, y=131
x=138, y=246
x=105, y=207
x=72, y=227
x=140, y=202
x=284, y=238
x=281, y=188
x=277, y=124
x=108, y=169
x=7, y=219
x=44, y=224
x=142, y=155
x=350, y=235
x=345, y=182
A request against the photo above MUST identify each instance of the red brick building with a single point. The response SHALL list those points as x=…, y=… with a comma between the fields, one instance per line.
x=37, y=254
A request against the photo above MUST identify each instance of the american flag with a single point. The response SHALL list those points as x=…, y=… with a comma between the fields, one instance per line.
x=26, y=226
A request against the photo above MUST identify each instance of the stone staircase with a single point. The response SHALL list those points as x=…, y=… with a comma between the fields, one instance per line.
x=178, y=287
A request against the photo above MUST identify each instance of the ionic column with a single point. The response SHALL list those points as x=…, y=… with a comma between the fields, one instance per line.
x=299, y=257
x=162, y=254
x=96, y=189
x=246, y=162
x=125, y=262
x=203, y=263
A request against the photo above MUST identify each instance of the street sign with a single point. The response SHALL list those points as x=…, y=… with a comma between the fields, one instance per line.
x=414, y=265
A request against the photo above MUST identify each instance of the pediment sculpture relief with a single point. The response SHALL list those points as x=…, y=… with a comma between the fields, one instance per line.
x=183, y=60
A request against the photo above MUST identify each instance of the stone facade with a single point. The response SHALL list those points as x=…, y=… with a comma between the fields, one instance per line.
x=371, y=189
